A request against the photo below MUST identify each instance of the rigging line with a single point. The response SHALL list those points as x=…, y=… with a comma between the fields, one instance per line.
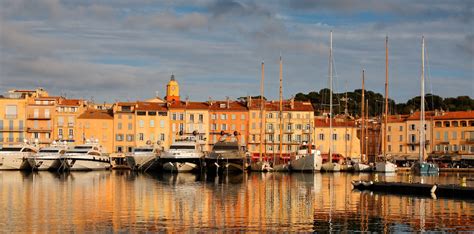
x=428, y=76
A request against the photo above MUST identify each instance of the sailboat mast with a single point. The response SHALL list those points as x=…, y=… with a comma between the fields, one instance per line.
x=262, y=114
x=386, y=101
x=362, y=114
x=330, y=99
x=367, y=131
x=422, y=101
x=281, y=108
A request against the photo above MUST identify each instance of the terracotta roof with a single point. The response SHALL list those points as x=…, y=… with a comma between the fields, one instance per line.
x=48, y=98
x=151, y=106
x=455, y=115
x=23, y=91
x=190, y=105
x=397, y=118
x=275, y=105
x=318, y=122
x=126, y=103
x=96, y=114
x=70, y=102
x=233, y=106
x=416, y=115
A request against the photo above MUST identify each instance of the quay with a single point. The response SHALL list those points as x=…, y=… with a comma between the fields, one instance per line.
x=468, y=170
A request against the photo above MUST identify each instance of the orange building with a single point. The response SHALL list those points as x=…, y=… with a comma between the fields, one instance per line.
x=96, y=124
x=124, y=126
x=40, y=113
x=453, y=133
x=65, y=118
x=229, y=117
x=152, y=123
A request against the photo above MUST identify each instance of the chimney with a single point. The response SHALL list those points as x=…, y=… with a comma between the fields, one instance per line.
x=249, y=101
x=210, y=101
x=228, y=102
x=292, y=103
x=187, y=101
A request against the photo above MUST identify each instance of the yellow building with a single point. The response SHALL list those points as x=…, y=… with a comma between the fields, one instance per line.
x=297, y=121
x=453, y=133
x=96, y=124
x=152, y=124
x=65, y=119
x=124, y=126
x=12, y=119
x=344, y=137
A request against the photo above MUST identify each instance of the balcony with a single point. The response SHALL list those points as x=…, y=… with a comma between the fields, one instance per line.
x=469, y=140
x=14, y=129
x=33, y=116
x=7, y=116
x=427, y=142
x=39, y=129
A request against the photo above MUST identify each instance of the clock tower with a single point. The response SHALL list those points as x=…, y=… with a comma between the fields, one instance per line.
x=172, y=90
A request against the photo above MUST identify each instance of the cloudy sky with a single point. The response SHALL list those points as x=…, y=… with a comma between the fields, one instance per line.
x=126, y=50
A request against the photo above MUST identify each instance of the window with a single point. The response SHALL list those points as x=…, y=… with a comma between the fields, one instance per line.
x=389, y=138
x=233, y=116
x=446, y=124
x=400, y=138
x=213, y=127
x=119, y=126
x=141, y=113
x=253, y=115
x=242, y=116
x=141, y=136
x=162, y=136
x=455, y=124
x=288, y=137
x=173, y=116
x=455, y=147
x=412, y=138
x=36, y=113
x=213, y=116
x=11, y=112
x=119, y=149
x=181, y=127
x=455, y=135
x=35, y=124
x=60, y=133
x=152, y=123
x=60, y=121
x=389, y=128
x=181, y=116
x=253, y=126
x=446, y=136
x=224, y=127
x=270, y=126
x=129, y=137
x=334, y=136
x=389, y=148
x=141, y=124
x=162, y=123
x=152, y=113
x=463, y=124
x=438, y=135
x=71, y=133
x=130, y=126
x=348, y=137
x=242, y=127
x=462, y=135
x=298, y=138
x=223, y=116
x=321, y=136
x=299, y=127
x=191, y=117
x=400, y=128
x=232, y=127
x=400, y=148
x=87, y=125
x=412, y=147
x=201, y=118
x=289, y=127
x=412, y=127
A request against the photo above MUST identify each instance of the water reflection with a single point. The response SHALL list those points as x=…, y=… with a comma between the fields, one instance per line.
x=129, y=201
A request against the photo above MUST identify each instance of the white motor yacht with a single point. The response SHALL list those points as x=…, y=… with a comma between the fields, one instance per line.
x=184, y=155
x=15, y=157
x=86, y=157
x=144, y=158
x=48, y=158
x=306, y=161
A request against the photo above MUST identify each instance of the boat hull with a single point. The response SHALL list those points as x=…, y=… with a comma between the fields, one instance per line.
x=331, y=167
x=425, y=168
x=88, y=164
x=143, y=163
x=14, y=163
x=181, y=164
x=362, y=167
x=307, y=163
x=219, y=165
x=385, y=167
x=45, y=164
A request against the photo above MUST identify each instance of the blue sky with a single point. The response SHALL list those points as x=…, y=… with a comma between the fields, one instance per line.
x=126, y=50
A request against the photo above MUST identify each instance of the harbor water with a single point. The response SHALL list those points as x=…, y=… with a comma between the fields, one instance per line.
x=122, y=201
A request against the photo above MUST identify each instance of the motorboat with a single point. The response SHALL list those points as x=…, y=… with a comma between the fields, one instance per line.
x=306, y=160
x=86, y=157
x=385, y=166
x=184, y=155
x=144, y=158
x=226, y=156
x=15, y=157
x=48, y=158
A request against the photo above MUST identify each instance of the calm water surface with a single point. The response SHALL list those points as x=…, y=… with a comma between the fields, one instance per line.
x=127, y=201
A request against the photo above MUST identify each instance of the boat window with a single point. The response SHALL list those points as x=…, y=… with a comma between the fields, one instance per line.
x=83, y=147
x=94, y=153
x=48, y=151
x=182, y=147
x=27, y=150
x=11, y=149
x=143, y=150
x=77, y=151
x=226, y=147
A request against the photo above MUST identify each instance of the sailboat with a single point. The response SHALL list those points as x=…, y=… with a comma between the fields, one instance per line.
x=330, y=165
x=282, y=166
x=261, y=165
x=421, y=166
x=384, y=165
x=362, y=166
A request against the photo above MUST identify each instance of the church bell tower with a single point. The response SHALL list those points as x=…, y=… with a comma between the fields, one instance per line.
x=172, y=90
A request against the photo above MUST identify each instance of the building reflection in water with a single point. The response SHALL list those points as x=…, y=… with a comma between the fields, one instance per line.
x=128, y=201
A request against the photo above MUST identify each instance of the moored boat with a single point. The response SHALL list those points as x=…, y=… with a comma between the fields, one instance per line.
x=15, y=157
x=86, y=157
x=307, y=160
x=184, y=155
x=48, y=158
x=226, y=156
x=144, y=158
